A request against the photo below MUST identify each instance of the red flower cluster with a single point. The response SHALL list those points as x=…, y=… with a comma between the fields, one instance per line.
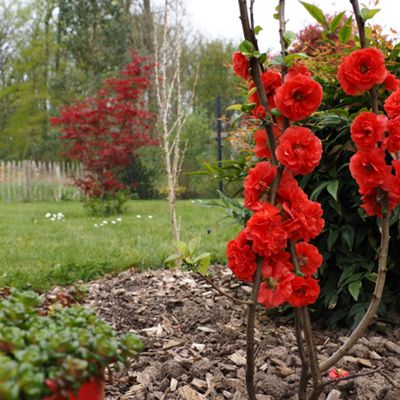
x=374, y=135
x=299, y=150
x=241, y=65
x=362, y=70
x=293, y=216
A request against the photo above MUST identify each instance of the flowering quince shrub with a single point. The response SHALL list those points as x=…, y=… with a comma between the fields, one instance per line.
x=293, y=219
x=105, y=131
x=375, y=165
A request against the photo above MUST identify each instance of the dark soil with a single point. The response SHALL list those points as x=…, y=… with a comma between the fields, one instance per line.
x=195, y=341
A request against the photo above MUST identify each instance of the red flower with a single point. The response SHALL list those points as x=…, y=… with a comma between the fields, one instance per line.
x=276, y=265
x=241, y=65
x=256, y=184
x=276, y=290
x=241, y=259
x=265, y=230
x=271, y=81
x=261, y=148
x=298, y=97
x=289, y=188
x=392, y=105
x=393, y=139
x=372, y=200
x=361, y=70
x=391, y=82
x=259, y=112
x=299, y=150
x=367, y=129
x=297, y=69
x=304, y=291
x=369, y=168
x=337, y=373
x=309, y=258
x=302, y=218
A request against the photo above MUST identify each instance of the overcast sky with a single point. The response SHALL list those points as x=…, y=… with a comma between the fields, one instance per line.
x=220, y=18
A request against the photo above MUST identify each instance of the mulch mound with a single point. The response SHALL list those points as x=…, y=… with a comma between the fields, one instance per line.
x=195, y=341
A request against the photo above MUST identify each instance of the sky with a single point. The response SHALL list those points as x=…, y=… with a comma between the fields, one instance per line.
x=220, y=18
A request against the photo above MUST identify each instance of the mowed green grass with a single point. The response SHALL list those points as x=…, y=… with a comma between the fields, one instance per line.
x=38, y=253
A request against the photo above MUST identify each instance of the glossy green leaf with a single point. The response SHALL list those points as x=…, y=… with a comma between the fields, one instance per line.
x=315, y=12
x=345, y=30
x=257, y=29
x=366, y=13
x=246, y=47
x=354, y=289
x=336, y=20
x=332, y=188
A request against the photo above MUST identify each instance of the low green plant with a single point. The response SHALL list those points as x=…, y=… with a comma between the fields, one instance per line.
x=187, y=257
x=46, y=350
x=108, y=205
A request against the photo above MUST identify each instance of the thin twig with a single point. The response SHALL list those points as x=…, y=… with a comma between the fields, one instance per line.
x=255, y=71
x=211, y=283
x=250, y=342
x=304, y=376
x=312, y=352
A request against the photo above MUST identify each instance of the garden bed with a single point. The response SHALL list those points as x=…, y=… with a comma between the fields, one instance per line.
x=195, y=339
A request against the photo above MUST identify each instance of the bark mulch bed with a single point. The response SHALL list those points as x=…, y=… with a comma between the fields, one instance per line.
x=195, y=341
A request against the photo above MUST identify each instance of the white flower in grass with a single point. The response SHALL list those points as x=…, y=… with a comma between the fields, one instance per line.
x=113, y=222
x=138, y=216
x=150, y=216
x=105, y=222
x=52, y=219
x=48, y=215
x=96, y=226
x=119, y=219
x=193, y=201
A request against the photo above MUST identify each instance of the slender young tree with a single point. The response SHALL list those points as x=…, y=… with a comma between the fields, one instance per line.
x=172, y=107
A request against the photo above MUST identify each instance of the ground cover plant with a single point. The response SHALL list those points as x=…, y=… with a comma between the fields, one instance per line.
x=39, y=253
x=50, y=351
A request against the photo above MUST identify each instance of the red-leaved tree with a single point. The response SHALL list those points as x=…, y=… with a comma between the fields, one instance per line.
x=105, y=131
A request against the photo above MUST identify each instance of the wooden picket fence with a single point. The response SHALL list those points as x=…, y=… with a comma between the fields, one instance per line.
x=38, y=181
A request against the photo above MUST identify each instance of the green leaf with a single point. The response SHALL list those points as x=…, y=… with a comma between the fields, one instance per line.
x=289, y=36
x=332, y=237
x=336, y=20
x=291, y=57
x=276, y=16
x=262, y=58
x=318, y=190
x=204, y=260
x=332, y=188
x=235, y=107
x=182, y=248
x=275, y=112
x=345, y=30
x=246, y=47
x=354, y=289
x=172, y=258
x=315, y=12
x=251, y=91
x=368, y=14
x=348, y=235
x=257, y=29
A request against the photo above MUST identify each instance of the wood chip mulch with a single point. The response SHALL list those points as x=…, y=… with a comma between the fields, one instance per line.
x=195, y=341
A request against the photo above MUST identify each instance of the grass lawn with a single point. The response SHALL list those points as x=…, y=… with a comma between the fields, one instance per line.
x=38, y=253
